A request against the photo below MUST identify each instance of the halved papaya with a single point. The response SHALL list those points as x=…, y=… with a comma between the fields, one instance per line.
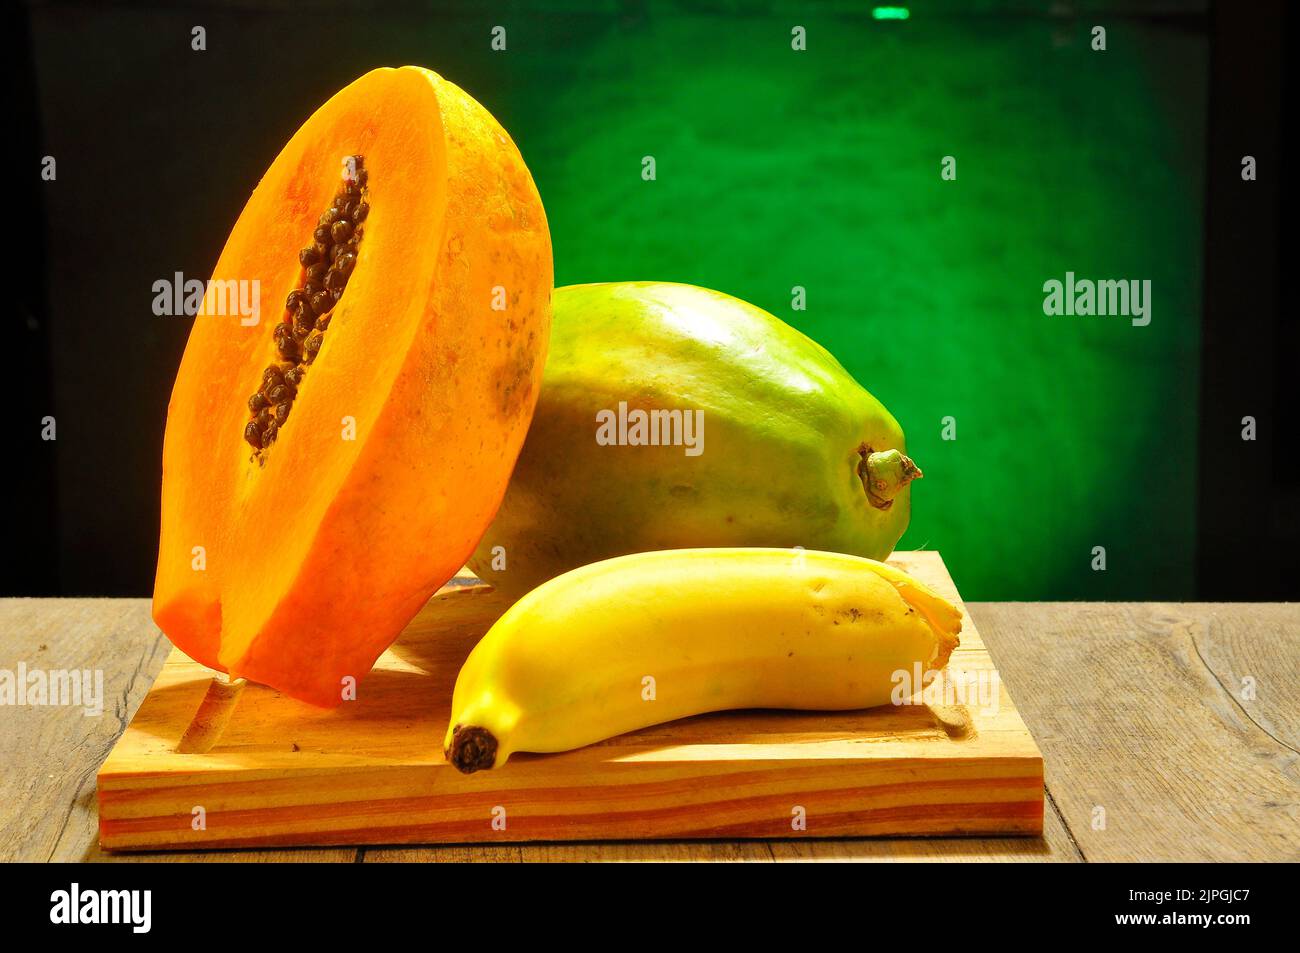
x=303, y=526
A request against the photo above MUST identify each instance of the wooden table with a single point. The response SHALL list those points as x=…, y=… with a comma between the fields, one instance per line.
x=1171, y=731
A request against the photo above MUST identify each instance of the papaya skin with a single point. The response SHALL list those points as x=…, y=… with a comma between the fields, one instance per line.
x=317, y=556
x=795, y=452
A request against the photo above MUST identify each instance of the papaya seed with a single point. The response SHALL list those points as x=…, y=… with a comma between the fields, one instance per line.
x=328, y=262
x=312, y=346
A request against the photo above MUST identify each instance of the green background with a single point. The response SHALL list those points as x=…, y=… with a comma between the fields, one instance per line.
x=821, y=168
x=775, y=168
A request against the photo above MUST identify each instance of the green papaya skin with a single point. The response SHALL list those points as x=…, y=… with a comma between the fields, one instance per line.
x=794, y=451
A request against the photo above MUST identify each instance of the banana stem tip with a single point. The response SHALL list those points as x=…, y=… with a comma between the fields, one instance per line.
x=471, y=749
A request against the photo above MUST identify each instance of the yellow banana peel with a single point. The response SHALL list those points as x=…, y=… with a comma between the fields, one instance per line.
x=643, y=639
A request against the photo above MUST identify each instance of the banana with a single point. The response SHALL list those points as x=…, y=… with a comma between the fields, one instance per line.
x=639, y=640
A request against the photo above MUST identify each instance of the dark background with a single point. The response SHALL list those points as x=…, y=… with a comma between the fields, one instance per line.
x=158, y=148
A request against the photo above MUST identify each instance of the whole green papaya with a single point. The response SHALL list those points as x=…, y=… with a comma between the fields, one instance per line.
x=672, y=416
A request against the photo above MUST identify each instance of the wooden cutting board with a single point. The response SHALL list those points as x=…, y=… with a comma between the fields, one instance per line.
x=371, y=772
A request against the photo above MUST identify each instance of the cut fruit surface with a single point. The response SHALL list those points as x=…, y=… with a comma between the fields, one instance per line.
x=408, y=367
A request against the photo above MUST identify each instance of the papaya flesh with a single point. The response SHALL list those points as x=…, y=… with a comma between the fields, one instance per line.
x=779, y=445
x=295, y=564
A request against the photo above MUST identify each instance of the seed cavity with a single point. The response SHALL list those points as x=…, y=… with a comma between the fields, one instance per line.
x=328, y=261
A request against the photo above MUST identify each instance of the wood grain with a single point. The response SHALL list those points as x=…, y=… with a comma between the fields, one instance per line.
x=1152, y=751
x=286, y=774
x=1054, y=846
x=578, y=852
x=49, y=755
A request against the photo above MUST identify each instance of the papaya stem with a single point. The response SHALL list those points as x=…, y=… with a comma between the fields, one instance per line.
x=884, y=474
x=472, y=748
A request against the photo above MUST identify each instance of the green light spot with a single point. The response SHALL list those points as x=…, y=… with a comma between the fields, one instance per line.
x=890, y=13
